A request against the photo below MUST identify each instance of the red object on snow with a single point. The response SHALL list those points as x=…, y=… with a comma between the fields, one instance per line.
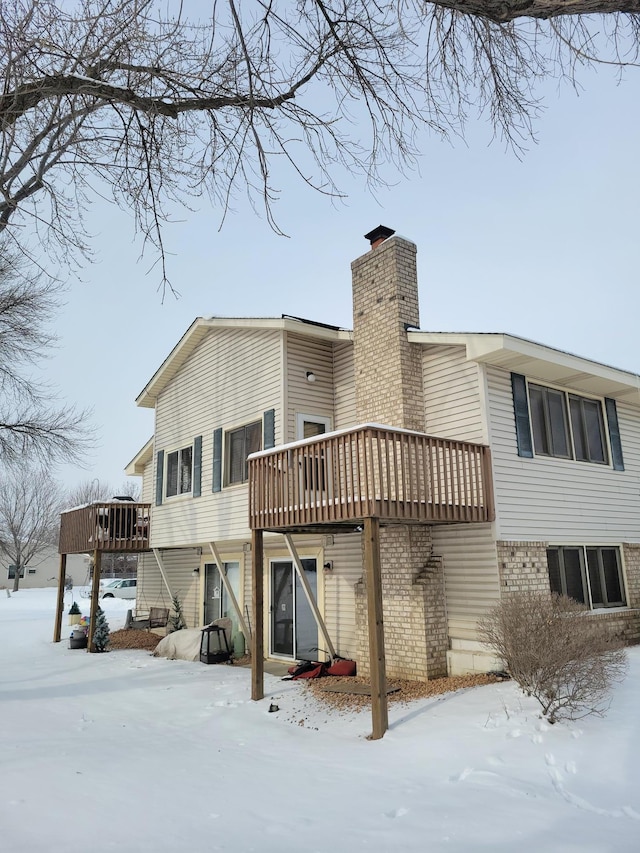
x=317, y=672
x=342, y=667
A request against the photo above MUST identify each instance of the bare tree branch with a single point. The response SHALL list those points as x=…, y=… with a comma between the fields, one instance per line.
x=31, y=425
x=30, y=506
x=164, y=108
x=89, y=491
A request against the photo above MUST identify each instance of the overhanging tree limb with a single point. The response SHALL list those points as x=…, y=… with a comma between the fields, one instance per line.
x=163, y=108
x=504, y=12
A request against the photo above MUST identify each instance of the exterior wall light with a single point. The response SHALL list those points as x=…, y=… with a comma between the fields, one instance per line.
x=311, y=377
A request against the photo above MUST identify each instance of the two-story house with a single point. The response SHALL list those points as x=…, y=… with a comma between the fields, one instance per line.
x=489, y=464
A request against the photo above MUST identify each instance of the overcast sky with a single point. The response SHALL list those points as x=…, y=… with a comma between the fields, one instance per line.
x=545, y=247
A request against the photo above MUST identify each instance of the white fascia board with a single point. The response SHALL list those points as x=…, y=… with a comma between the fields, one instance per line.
x=540, y=361
x=135, y=468
x=178, y=355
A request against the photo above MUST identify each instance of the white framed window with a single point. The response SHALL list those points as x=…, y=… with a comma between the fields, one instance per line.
x=307, y=426
x=239, y=444
x=179, y=477
x=589, y=574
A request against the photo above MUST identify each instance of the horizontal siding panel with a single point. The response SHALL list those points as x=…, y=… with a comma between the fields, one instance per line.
x=231, y=378
x=150, y=590
x=452, y=394
x=147, y=491
x=178, y=567
x=558, y=500
x=344, y=386
x=339, y=596
x=303, y=397
x=472, y=585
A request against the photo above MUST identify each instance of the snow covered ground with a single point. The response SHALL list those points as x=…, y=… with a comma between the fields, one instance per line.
x=126, y=752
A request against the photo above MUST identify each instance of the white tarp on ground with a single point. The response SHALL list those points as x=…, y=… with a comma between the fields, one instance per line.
x=180, y=645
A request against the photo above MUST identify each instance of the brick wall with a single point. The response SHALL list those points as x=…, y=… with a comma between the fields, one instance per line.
x=523, y=567
x=388, y=375
x=415, y=628
x=388, y=369
x=631, y=558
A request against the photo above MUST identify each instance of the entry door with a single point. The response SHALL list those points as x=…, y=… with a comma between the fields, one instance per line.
x=293, y=628
x=217, y=603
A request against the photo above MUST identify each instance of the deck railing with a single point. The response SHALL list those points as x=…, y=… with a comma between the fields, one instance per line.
x=370, y=471
x=105, y=526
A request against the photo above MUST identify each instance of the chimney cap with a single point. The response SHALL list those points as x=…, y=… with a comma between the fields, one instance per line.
x=379, y=234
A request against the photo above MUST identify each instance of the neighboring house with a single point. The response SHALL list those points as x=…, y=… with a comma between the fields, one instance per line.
x=43, y=570
x=554, y=504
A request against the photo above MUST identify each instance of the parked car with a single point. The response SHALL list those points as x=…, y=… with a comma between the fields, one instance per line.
x=124, y=588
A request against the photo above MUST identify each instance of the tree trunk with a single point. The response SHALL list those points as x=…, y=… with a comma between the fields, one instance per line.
x=502, y=12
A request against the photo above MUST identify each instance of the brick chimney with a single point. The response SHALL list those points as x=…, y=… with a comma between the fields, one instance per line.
x=388, y=370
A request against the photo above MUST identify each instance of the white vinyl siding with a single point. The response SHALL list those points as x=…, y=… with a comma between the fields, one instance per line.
x=472, y=584
x=231, y=379
x=344, y=386
x=178, y=567
x=308, y=355
x=339, y=596
x=148, y=487
x=561, y=500
x=452, y=397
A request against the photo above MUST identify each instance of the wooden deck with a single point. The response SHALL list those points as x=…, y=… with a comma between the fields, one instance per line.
x=370, y=471
x=105, y=526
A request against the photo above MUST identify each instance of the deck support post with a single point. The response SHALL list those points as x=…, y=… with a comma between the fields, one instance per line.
x=95, y=589
x=257, y=635
x=373, y=572
x=62, y=577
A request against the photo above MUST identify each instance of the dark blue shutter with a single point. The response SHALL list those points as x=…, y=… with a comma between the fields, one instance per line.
x=197, y=466
x=216, y=482
x=521, y=412
x=159, y=476
x=269, y=429
x=614, y=434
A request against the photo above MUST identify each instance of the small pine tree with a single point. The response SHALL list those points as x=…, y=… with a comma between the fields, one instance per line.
x=177, y=621
x=101, y=632
x=74, y=610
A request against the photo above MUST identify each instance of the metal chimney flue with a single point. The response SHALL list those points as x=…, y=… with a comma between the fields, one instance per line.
x=379, y=235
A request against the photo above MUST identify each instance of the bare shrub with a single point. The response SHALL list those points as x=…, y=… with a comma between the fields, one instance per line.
x=556, y=652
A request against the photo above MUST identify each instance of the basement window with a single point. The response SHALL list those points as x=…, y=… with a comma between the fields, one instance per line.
x=590, y=575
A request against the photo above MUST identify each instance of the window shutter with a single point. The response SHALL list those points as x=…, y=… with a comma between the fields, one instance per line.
x=614, y=434
x=197, y=466
x=216, y=483
x=521, y=412
x=159, y=475
x=269, y=429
